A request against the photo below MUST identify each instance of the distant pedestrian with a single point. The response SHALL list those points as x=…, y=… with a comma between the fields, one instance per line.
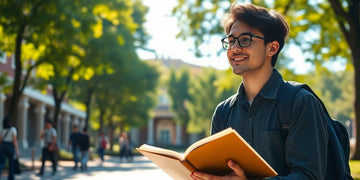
x=8, y=147
x=84, y=145
x=130, y=148
x=50, y=147
x=102, y=145
x=74, y=142
x=124, y=146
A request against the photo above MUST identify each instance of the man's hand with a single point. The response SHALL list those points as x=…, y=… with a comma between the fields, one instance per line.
x=237, y=174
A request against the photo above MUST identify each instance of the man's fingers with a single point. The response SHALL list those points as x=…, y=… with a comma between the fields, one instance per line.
x=196, y=175
x=236, y=169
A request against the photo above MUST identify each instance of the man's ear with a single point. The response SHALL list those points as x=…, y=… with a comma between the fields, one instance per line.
x=272, y=48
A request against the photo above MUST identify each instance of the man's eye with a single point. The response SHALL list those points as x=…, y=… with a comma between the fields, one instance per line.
x=245, y=39
x=231, y=41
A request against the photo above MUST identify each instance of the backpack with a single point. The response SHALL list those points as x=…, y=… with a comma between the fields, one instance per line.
x=103, y=143
x=338, y=143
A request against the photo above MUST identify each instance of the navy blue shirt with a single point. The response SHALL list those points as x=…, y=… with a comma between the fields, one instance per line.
x=302, y=155
x=74, y=138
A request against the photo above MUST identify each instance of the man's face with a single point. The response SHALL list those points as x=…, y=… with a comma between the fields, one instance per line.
x=47, y=125
x=247, y=60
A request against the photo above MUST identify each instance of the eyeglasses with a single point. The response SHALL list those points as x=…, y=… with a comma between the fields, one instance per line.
x=244, y=40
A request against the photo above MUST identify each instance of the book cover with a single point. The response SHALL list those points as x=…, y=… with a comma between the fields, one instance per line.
x=210, y=155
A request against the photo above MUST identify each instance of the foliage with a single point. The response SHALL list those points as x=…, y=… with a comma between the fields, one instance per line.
x=178, y=89
x=324, y=30
x=207, y=90
x=355, y=169
x=313, y=25
x=336, y=89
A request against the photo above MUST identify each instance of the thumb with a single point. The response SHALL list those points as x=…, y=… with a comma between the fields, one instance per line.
x=237, y=170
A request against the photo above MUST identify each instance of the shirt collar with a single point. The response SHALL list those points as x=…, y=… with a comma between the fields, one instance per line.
x=269, y=90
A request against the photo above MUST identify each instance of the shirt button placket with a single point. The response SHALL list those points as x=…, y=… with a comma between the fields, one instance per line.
x=250, y=118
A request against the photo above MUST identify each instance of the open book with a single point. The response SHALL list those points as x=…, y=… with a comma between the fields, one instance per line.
x=210, y=155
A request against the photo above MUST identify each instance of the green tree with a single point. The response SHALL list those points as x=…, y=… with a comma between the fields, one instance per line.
x=207, y=90
x=24, y=24
x=112, y=46
x=324, y=30
x=178, y=89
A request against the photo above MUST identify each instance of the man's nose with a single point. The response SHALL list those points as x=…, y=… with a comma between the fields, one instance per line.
x=236, y=46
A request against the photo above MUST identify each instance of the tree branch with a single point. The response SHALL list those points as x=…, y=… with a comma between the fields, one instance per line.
x=339, y=10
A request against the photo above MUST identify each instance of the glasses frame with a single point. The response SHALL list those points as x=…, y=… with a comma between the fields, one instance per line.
x=251, y=35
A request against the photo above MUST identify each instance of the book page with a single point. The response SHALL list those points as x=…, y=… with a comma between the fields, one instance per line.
x=171, y=166
x=165, y=152
x=207, y=139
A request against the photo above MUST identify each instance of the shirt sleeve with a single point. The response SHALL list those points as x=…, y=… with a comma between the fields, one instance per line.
x=53, y=132
x=14, y=132
x=306, y=143
x=215, y=123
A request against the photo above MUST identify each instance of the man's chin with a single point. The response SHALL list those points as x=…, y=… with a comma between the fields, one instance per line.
x=238, y=71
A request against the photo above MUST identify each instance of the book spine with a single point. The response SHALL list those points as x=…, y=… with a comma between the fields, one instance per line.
x=188, y=165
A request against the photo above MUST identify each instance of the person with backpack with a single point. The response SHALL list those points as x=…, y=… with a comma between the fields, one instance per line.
x=8, y=147
x=304, y=146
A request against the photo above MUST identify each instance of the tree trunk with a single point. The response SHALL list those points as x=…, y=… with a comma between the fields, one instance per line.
x=356, y=62
x=101, y=119
x=16, y=93
x=354, y=43
x=58, y=102
x=88, y=103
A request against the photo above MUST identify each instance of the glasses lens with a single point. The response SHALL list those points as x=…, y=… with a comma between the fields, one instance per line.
x=225, y=43
x=245, y=40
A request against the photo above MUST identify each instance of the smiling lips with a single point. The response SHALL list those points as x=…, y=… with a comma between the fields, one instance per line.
x=238, y=58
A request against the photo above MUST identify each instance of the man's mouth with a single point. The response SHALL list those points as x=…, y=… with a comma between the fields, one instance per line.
x=239, y=58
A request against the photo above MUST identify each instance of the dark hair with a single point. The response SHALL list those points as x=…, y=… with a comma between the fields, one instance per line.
x=7, y=122
x=48, y=121
x=269, y=22
x=84, y=129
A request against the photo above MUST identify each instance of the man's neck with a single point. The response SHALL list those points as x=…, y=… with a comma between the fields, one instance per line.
x=254, y=82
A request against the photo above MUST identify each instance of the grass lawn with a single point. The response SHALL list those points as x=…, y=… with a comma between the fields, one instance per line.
x=355, y=169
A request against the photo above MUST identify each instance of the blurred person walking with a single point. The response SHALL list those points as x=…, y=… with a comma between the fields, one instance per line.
x=74, y=141
x=130, y=148
x=49, y=149
x=102, y=145
x=8, y=147
x=84, y=145
x=124, y=146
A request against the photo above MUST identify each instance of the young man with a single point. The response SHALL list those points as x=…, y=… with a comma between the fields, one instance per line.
x=74, y=142
x=48, y=151
x=254, y=39
x=84, y=145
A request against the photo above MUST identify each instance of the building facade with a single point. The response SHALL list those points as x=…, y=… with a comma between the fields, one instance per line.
x=33, y=108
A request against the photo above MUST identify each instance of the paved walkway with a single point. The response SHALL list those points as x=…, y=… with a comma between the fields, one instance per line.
x=140, y=168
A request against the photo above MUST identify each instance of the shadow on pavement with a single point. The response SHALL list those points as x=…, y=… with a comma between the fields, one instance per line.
x=96, y=168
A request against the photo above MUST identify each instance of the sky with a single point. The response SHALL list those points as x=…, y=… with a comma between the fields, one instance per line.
x=163, y=29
